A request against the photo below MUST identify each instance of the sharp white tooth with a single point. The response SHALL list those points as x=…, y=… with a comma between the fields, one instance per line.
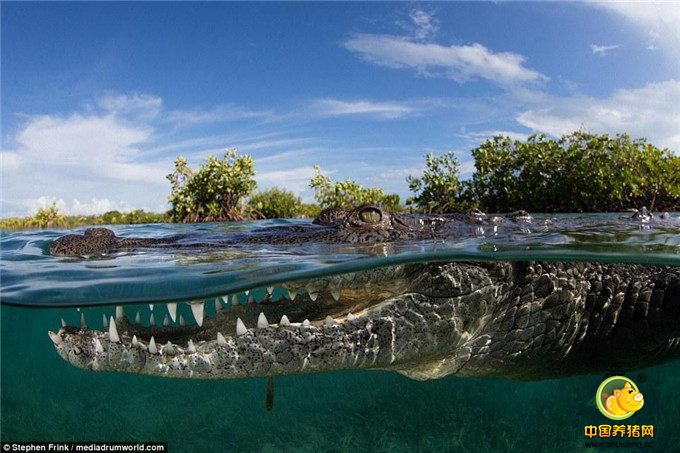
x=63, y=323
x=329, y=321
x=56, y=339
x=225, y=299
x=119, y=312
x=138, y=318
x=351, y=317
x=113, y=331
x=197, y=310
x=262, y=322
x=135, y=342
x=246, y=292
x=152, y=320
x=292, y=293
x=218, y=305
x=234, y=300
x=306, y=323
x=251, y=299
x=190, y=347
x=105, y=321
x=240, y=327
x=152, y=346
x=172, y=309
x=220, y=339
x=98, y=348
x=284, y=321
x=166, y=321
x=182, y=323
x=313, y=296
x=270, y=290
x=336, y=294
x=83, y=324
x=151, y=307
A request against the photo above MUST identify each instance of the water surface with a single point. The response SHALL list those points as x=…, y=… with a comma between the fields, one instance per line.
x=44, y=398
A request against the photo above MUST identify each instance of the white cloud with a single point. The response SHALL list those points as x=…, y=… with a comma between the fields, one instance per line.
x=460, y=63
x=295, y=180
x=77, y=207
x=487, y=134
x=95, y=146
x=602, y=50
x=385, y=110
x=426, y=25
x=135, y=104
x=659, y=22
x=218, y=114
x=652, y=111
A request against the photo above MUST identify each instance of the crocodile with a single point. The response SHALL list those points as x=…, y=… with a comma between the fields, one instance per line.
x=517, y=319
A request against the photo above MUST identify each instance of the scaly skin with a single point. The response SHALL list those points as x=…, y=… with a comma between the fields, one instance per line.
x=524, y=320
x=362, y=225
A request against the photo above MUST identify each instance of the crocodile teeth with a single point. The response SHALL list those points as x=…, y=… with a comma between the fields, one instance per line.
x=83, y=324
x=63, y=323
x=306, y=323
x=151, y=307
x=105, y=321
x=270, y=290
x=113, y=331
x=240, y=327
x=138, y=318
x=284, y=321
x=197, y=309
x=246, y=292
x=190, y=347
x=218, y=305
x=336, y=294
x=56, y=339
x=98, y=348
x=152, y=346
x=220, y=339
x=172, y=309
x=262, y=322
x=135, y=342
x=292, y=293
x=225, y=299
x=182, y=323
x=119, y=312
x=234, y=300
x=328, y=322
x=166, y=321
x=152, y=320
x=350, y=317
x=313, y=296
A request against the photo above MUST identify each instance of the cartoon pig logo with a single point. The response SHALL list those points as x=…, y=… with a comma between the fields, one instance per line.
x=618, y=398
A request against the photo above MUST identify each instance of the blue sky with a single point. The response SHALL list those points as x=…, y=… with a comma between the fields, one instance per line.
x=99, y=98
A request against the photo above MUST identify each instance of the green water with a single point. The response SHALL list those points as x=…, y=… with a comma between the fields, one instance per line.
x=45, y=398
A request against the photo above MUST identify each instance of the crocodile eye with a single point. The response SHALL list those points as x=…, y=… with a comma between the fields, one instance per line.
x=370, y=215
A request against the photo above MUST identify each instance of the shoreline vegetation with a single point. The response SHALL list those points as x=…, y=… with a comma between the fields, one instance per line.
x=578, y=172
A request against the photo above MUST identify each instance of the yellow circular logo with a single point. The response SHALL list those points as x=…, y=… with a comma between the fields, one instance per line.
x=618, y=398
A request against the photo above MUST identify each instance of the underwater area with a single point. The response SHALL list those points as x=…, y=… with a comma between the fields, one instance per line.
x=45, y=398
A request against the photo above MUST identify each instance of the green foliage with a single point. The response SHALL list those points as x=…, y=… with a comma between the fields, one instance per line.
x=438, y=189
x=214, y=192
x=576, y=173
x=274, y=203
x=50, y=218
x=348, y=194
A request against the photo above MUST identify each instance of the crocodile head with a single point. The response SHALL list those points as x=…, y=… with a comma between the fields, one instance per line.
x=523, y=320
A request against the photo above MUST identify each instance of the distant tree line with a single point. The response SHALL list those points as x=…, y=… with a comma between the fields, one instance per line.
x=577, y=172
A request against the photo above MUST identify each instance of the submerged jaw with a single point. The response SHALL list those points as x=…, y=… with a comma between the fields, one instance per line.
x=222, y=346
